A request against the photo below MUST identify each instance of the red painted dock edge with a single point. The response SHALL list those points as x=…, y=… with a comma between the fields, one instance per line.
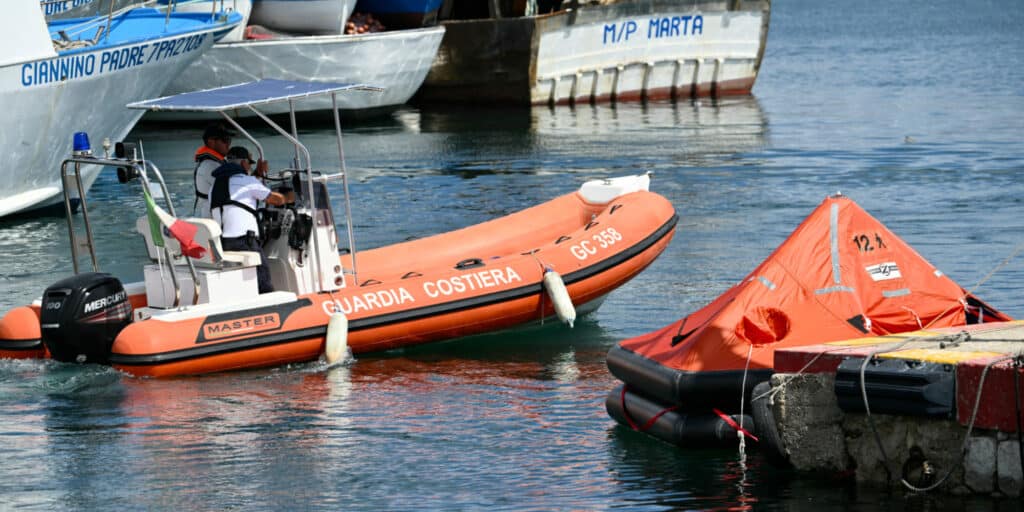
x=997, y=410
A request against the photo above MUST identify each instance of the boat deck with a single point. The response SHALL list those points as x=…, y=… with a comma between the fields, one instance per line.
x=134, y=26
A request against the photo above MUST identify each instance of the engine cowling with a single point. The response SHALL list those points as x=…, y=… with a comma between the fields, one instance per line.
x=82, y=315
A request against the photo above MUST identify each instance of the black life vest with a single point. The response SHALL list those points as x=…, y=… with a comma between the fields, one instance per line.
x=220, y=194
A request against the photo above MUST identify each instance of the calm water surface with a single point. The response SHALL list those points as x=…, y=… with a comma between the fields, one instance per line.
x=914, y=109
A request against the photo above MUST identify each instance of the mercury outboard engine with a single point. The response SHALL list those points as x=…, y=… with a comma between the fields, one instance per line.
x=82, y=315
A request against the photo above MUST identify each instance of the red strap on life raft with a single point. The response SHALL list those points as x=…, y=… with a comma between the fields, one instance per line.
x=650, y=422
x=732, y=423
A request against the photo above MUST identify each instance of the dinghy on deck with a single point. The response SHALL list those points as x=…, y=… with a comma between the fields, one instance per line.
x=202, y=314
x=841, y=275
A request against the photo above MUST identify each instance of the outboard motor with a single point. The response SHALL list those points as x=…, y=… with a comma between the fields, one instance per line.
x=82, y=315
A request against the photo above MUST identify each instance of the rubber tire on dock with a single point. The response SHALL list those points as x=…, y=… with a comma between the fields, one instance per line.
x=767, y=430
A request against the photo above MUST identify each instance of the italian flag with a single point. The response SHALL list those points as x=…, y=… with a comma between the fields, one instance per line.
x=182, y=231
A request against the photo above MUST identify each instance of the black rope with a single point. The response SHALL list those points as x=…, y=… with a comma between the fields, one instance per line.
x=871, y=421
x=967, y=435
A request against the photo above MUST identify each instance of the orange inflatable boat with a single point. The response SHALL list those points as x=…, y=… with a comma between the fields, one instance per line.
x=202, y=314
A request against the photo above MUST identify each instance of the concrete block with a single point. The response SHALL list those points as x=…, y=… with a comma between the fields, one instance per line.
x=940, y=442
x=819, y=448
x=1008, y=468
x=979, y=470
x=863, y=448
x=809, y=390
x=808, y=423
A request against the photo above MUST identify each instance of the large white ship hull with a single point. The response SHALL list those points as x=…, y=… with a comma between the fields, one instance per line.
x=42, y=111
x=618, y=51
x=396, y=61
x=673, y=53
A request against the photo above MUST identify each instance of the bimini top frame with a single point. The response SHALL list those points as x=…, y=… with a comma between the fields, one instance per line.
x=261, y=92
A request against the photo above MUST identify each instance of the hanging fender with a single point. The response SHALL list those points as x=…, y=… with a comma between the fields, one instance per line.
x=336, y=345
x=559, y=297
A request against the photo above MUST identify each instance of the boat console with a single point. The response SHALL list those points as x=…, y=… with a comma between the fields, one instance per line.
x=290, y=234
x=299, y=238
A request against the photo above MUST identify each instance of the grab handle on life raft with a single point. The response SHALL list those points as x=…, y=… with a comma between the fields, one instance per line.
x=469, y=263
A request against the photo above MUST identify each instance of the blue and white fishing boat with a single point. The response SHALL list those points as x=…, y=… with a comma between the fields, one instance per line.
x=81, y=72
x=61, y=9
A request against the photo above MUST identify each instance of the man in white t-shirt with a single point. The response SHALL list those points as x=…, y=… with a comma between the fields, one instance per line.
x=233, y=201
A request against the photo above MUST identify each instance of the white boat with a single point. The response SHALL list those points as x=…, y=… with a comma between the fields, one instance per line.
x=320, y=17
x=622, y=50
x=397, y=61
x=78, y=73
x=242, y=7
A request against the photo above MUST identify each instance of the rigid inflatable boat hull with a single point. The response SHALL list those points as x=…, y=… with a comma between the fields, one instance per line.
x=20, y=336
x=480, y=279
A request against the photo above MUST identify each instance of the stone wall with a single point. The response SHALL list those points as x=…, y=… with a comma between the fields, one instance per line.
x=816, y=435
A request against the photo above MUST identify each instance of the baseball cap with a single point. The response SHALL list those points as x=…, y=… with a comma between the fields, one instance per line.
x=239, y=153
x=217, y=130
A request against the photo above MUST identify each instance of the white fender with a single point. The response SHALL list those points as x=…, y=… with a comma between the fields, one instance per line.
x=336, y=346
x=559, y=297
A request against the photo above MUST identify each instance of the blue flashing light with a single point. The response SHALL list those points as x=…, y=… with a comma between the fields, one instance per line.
x=81, y=143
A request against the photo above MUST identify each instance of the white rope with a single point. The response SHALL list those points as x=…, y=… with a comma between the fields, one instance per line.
x=1016, y=251
x=917, y=317
x=743, y=399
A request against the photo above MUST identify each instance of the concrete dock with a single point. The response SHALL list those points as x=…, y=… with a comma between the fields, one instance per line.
x=943, y=409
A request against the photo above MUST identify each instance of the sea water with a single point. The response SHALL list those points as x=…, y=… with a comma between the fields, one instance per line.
x=914, y=109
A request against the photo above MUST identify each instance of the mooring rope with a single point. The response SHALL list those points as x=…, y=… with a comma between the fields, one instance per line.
x=963, y=300
x=544, y=267
x=770, y=394
x=743, y=399
x=967, y=435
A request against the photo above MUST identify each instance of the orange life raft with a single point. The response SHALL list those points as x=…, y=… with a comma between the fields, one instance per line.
x=840, y=275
